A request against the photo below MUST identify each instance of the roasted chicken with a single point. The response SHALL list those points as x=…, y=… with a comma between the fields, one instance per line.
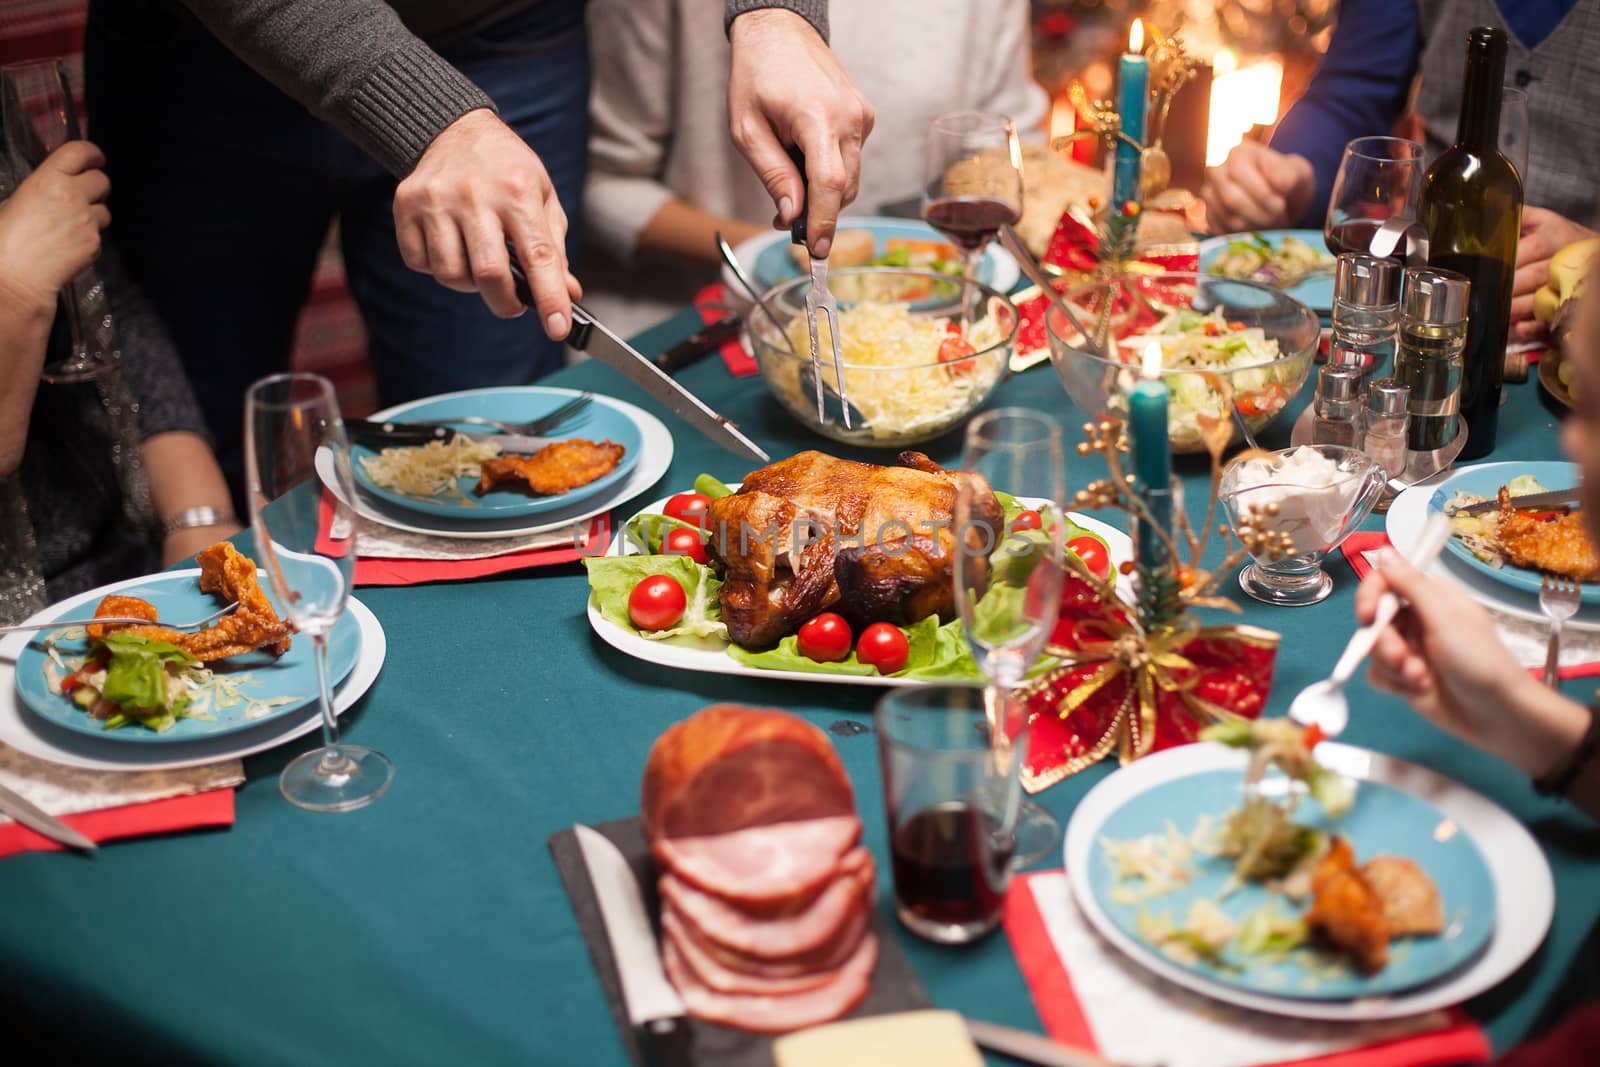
x=1411, y=904
x=227, y=575
x=1556, y=546
x=556, y=468
x=813, y=533
x=1346, y=912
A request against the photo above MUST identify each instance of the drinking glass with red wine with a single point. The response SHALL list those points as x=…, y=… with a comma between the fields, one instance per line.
x=972, y=185
x=1379, y=178
x=958, y=826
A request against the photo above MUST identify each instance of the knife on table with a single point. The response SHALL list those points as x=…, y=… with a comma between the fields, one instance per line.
x=40, y=821
x=380, y=435
x=589, y=335
x=654, y=1009
x=699, y=344
x=1530, y=501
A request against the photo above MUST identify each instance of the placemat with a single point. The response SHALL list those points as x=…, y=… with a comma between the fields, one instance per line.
x=895, y=986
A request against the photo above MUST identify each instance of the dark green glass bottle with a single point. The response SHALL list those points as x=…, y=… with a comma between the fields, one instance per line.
x=1472, y=211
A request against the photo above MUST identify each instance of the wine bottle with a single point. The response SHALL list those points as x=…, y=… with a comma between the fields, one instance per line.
x=1472, y=212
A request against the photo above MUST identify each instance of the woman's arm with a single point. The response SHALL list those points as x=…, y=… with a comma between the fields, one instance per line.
x=49, y=232
x=678, y=228
x=184, y=474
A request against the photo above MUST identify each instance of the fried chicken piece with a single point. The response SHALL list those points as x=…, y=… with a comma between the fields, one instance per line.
x=223, y=573
x=1411, y=904
x=556, y=468
x=1557, y=546
x=1345, y=912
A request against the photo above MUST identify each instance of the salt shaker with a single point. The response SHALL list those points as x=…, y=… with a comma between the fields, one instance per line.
x=1366, y=310
x=1336, y=419
x=1384, y=431
x=1428, y=359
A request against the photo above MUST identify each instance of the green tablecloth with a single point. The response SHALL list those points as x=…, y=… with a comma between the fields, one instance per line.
x=431, y=928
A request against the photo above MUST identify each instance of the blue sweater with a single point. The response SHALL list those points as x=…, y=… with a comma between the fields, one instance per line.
x=1362, y=84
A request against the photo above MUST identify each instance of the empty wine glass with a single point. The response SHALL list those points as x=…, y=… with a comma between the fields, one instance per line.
x=972, y=184
x=39, y=117
x=1514, y=129
x=1379, y=178
x=289, y=420
x=1008, y=582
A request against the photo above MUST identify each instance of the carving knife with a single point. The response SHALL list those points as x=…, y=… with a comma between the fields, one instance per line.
x=654, y=1009
x=40, y=821
x=589, y=335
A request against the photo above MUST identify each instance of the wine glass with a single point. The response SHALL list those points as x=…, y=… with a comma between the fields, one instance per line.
x=1379, y=178
x=291, y=419
x=39, y=117
x=1008, y=581
x=972, y=185
x=1514, y=127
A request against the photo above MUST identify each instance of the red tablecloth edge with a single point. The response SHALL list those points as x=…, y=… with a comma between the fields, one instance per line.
x=193, y=812
x=377, y=571
x=740, y=364
x=1460, y=1041
x=1357, y=544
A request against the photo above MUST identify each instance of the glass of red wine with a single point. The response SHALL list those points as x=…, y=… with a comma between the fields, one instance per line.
x=972, y=185
x=1379, y=178
x=957, y=822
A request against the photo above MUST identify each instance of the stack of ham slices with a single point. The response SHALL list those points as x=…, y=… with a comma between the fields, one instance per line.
x=766, y=895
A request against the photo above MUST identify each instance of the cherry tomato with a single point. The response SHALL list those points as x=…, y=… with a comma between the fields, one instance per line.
x=1027, y=520
x=883, y=646
x=682, y=542
x=657, y=603
x=954, y=350
x=688, y=507
x=1093, y=554
x=1236, y=326
x=1312, y=735
x=825, y=638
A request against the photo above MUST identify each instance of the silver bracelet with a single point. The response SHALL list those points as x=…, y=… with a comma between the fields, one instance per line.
x=195, y=518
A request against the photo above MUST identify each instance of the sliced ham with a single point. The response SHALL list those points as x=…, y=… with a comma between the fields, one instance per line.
x=799, y=933
x=828, y=957
x=723, y=977
x=766, y=1014
x=768, y=866
x=730, y=768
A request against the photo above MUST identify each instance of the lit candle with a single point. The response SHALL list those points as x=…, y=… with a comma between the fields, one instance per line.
x=1133, y=101
x=1152, y=456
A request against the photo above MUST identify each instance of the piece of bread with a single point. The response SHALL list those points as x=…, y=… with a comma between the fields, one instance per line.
x=1051, y=183
x=851, y=248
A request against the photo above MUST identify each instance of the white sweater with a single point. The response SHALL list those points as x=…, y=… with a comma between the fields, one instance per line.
x=660, y=121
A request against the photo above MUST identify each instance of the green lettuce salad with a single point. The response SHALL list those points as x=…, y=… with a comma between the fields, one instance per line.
x=937, y=652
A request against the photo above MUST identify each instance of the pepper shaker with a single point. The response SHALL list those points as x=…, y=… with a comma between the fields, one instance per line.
x=1337, y=413
x=1386, y=420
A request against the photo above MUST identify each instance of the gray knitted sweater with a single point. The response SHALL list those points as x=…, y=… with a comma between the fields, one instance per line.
x=366, y=65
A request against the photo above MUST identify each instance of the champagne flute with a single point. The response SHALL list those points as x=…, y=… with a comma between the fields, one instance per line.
x=289, y=420
x=972, y=184
x=1008, y=583
x=1379, y=178
x=1514, y=129
x=39, y=117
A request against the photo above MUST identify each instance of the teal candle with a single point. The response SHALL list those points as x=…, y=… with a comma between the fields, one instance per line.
x=1152, y=456
x=1133, y=102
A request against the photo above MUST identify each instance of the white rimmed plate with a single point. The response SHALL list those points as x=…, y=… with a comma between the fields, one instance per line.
x=28, y=733
x=1524, y=890
x=710, y=656
x=655, y=456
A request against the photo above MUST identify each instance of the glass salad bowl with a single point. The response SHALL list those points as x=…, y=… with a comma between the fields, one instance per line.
x=911, y=370
x=1215, y=335
x=1312, y=496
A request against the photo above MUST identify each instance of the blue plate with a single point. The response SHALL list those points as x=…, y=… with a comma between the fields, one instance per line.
x=1316, y=292
x=771, y=262
x=177, y=596
x=597, y=422
x=1486, y=481
x=1383, y=820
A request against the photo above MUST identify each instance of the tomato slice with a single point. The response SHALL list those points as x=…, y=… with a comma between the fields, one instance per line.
x=954, y=350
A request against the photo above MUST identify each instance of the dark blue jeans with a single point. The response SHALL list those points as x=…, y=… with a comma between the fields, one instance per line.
x=223, y=189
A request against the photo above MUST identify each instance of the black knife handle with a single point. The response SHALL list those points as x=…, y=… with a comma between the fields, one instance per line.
x=578, y=337
x=382, y=435
x=699, y=344
x=665, y=1042
x=519, y=279
x=797, y=230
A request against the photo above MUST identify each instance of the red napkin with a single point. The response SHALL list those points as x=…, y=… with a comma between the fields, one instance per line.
x=1461, y=1041
x=740, y=364
x=1357, y=544
x=194, y=812
x=377, y=571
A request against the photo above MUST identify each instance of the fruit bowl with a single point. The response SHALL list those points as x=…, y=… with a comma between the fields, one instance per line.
x=911, y=370
x=1218, y=337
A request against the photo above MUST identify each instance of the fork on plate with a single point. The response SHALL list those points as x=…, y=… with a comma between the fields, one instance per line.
x=532, y=428
x=1558, y=599
x=62, y=624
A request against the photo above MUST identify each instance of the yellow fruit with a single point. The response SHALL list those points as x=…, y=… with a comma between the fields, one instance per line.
x=1546, y=302
x=1569, y=266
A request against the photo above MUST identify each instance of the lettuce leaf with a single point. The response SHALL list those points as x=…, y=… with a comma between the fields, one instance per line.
x=646, y=531
x=612, y=579
x=934, y=653
x=136, y=674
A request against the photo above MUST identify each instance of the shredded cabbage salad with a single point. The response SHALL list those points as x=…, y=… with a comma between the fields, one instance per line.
x=893, y=374
x=1253, y=257
x=430, y=470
